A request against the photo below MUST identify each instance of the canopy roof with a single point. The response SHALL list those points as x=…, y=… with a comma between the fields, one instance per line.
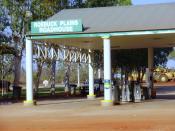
x=129, y=27
x=122, y=18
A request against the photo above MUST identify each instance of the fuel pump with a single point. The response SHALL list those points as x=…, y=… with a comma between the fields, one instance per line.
x=116, y=87
x=137, y=92
x=116, y=91
x=125, y=92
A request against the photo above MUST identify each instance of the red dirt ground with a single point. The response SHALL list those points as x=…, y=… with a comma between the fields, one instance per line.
x=85, y=115
x=171, y=83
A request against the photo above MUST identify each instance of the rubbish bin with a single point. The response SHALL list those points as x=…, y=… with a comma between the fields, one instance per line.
x=17, y=92
x=116, y=94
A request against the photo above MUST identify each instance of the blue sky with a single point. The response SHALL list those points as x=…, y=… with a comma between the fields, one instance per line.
x=139, y=2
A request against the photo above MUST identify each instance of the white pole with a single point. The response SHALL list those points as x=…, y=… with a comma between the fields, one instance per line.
x=91, y=79
x=29, y=78
x=78, y=75
x=107, y=72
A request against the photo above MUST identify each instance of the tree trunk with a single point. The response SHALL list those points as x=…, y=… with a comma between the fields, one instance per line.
x=139, y=71
x=66, y=79
x=38, y=76
x=143, y=73
x=17, y=70
x=52, y=90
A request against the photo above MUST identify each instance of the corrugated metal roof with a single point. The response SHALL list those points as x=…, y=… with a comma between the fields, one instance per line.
x=122, y=18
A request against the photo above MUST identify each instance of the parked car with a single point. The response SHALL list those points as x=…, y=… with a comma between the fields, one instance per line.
x=98, y=87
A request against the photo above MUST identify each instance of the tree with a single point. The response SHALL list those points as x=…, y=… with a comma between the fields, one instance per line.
x=129, y=60
x=136, y=59
x=161, y=56
x=5, y=22
x=77, y=4
x=104, y=3
x=43, y=9
x=97, y=3
x=172, y=55
x=17, y=10
x=6, y=51
x=97, y=54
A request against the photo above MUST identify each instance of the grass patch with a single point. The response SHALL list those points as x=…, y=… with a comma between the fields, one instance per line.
x=42, y=92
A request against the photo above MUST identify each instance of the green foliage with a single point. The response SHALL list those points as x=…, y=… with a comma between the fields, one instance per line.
x=5, y=49
x=6, y=66
x=17, y=9
x=130, y=58
x=77, y=4
x=172, y=55
x=97, y=58
x=137, y=58
x=42, y=9
x=98, y=3
x=161, y=56
x=104, y=3
x=17, y=12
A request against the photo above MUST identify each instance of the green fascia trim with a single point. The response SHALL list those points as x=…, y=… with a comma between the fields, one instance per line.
x=78, y=35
